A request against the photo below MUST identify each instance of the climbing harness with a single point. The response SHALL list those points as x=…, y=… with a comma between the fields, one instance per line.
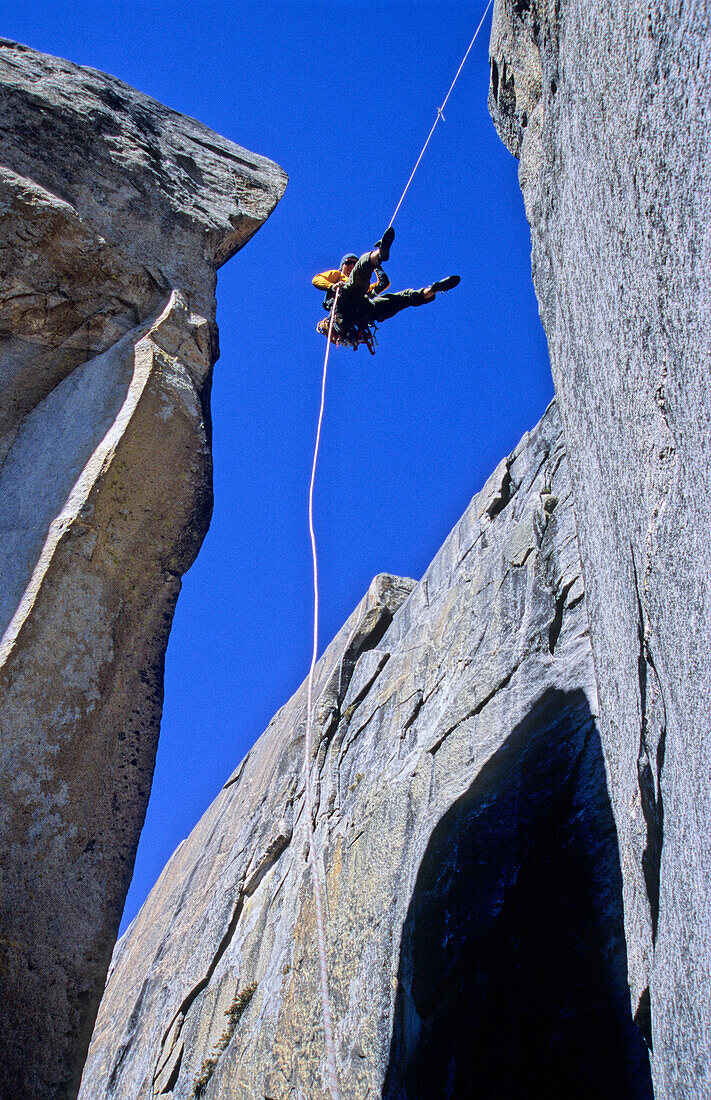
x=333, y=337
x=352, y=337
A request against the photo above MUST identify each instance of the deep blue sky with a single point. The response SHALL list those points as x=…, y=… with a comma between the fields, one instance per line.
x=342, y=95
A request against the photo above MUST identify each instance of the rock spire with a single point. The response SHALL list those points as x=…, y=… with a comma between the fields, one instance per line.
x=114, y=214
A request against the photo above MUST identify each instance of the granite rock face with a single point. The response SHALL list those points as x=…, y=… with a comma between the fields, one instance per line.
x=114, y=214
x=467, y=840
x=607, y=106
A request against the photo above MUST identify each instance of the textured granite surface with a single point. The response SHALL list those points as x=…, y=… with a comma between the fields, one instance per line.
x=114, y=214
x=607, y=106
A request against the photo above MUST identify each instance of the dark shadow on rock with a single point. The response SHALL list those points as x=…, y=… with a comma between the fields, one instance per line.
x=513, y=974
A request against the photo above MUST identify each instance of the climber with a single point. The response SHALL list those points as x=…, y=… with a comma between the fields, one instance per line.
x=362, y=303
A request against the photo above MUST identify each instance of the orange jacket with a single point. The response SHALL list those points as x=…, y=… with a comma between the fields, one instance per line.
x=326, y=279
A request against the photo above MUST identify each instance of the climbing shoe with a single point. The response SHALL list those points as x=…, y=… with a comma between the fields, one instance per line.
x=384, y=244
x=446, y=284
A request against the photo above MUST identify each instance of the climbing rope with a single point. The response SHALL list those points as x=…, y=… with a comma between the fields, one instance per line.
x=319, y=887
x=439, y=112
x=315, y=867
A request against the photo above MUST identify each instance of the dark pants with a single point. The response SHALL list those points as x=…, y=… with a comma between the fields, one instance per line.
x=355, y=306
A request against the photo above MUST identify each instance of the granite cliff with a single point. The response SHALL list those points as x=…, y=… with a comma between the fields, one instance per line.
x=115, y=213
x=513, y=754
x=607, y=106
x=467, y=838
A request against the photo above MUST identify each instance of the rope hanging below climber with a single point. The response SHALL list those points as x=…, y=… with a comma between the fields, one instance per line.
x=355, y=307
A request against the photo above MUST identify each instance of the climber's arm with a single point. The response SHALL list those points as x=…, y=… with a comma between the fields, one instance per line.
x=326, y=279
x=382, y=283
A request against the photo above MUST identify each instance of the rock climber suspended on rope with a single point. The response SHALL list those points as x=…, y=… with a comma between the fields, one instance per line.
x=361, y=304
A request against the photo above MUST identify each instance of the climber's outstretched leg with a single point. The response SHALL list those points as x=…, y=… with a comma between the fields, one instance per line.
x=387, y=305
x=440, y=286
x=359, y=278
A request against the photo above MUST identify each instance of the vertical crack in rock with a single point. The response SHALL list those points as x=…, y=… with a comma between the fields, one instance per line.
x=234, y=1013
x=132, y=1022
x=174, y=1075
x=557, y=622
x=505, y=493
x=273, y=852
x=174, y=1028
x=412, y=716
x=475, y=710
x=649, y=777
